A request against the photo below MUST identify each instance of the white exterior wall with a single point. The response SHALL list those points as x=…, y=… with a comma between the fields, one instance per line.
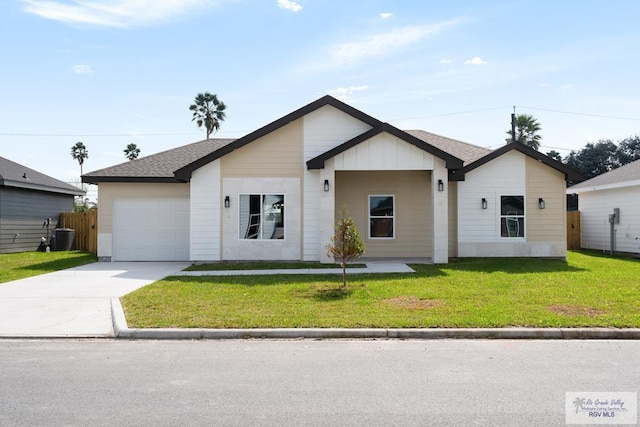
x=440, y=213
x=479, y=229
x=595, y=207
x=288, y=248
x=205, y=203
x=384, y=152
x=323, y=129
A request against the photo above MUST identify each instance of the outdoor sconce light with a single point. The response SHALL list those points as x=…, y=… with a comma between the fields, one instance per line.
x=484, y=203
x=440, y=185
x=227, y=202
x=541, y=204
x=326, y=185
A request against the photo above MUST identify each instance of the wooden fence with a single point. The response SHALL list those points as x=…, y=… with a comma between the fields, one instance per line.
x=573, y=230
x=86, y=226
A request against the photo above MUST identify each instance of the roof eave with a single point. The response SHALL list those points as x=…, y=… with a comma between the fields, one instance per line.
x=41, y=187
x=141, y=179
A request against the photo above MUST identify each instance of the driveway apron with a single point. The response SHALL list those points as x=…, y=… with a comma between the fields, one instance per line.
x=74, y=302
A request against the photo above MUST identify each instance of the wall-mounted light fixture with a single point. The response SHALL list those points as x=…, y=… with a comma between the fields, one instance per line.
x=440, y=185
x=326, y=185
x=541, y=203
x=484, y=203
x=227, y=202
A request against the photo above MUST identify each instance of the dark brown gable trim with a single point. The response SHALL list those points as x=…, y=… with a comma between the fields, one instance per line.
x=185, y=172
x=452, y=162
x=570, y=174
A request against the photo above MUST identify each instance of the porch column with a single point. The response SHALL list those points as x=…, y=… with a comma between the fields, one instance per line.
x=327, y=209
x=440, y=212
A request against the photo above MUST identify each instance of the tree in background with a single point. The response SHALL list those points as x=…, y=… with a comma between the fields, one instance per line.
x=628, y=150
x=527, y=128
x=555, y=155
x=594, y=159
x=131, y=152
x=346, y=243
x=79, y=152
x=208, y=111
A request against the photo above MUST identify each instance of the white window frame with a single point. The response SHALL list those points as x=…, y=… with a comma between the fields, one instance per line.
x=262, y=216
x=515, y=216
x=370, y=217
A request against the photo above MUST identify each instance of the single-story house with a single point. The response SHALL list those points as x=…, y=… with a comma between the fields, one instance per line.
x=28, y=199
x=276, y=193
x=613, y=196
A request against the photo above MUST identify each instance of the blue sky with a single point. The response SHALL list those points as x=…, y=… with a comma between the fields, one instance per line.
x=110, y=73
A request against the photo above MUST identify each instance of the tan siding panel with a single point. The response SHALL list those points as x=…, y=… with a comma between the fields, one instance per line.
x=548, y=224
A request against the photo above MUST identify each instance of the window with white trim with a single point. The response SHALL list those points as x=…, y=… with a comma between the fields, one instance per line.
x=512, y=216
x=261, y=216
x=381, y=217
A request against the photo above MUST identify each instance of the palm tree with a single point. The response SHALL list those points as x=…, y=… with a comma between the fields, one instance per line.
x=131, y=152
x=578, y=402
x=527, y=128
x=79, y=152
x=208, y=111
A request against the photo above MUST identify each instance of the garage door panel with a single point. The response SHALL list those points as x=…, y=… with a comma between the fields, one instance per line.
x=151, y=230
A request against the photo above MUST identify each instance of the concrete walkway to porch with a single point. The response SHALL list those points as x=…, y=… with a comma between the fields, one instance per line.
x=381, y=266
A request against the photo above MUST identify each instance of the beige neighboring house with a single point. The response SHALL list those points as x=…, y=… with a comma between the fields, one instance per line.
x=276, y=193
x=617, y=191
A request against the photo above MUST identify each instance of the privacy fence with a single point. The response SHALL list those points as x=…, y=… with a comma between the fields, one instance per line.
x=86, y=226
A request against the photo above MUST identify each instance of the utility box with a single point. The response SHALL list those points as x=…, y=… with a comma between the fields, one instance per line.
x=616, y=215
x=63, y=239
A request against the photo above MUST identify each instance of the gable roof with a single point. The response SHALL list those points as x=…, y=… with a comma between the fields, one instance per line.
x=15, y=175
x=462, y=150
x=624, y=176
x=159, y=167
x=451, y=161
x=185, y=172
x=569, y=173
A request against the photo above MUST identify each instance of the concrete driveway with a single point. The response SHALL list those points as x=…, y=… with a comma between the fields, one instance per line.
x=74, y=302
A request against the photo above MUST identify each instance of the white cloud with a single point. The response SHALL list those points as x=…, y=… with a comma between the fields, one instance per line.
x=380, y=45
x=385, y=15
x=114, y=13
x=445, y=61
x=82, y=69
x=342, y=93
x=476, y=60
x=289, y=5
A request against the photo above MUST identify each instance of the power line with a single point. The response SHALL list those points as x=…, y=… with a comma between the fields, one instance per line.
x=580, y=114
x=449, y=114
x=98, y=134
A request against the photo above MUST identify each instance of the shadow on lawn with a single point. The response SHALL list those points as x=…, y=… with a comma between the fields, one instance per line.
x=504, y=265
x=82, y=258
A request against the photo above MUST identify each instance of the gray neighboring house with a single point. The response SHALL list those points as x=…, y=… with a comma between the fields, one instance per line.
x=27, y=199
x=598, y=197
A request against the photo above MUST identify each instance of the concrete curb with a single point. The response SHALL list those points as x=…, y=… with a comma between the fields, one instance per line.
x=121, y=330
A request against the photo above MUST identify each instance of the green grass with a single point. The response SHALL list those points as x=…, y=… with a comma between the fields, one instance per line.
x=26, y=264
x=263, y=265
x=586, y=291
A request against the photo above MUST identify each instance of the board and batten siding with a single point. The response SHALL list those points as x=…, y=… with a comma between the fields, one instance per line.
x=453, y=218
x=205, y=204
x=413, y=209
x=22, y=215
x=323, y=129
x=595, y=208
x=548, y=224
x=110, y=191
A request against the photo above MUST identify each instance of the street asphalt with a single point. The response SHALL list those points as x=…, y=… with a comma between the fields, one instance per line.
x=84, y=302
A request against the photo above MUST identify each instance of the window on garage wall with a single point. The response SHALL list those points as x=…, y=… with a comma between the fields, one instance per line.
x=261, y=216
x=381, y=217
x=512, y=216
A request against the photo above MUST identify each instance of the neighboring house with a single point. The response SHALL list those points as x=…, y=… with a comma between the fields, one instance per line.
x=276, y=193
x=27, y=199
x=599, y=197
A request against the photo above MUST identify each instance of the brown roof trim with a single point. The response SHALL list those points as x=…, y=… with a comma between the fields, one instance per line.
x=451, y=161
x=570, y=174
x=185, y=172
x=143, y=179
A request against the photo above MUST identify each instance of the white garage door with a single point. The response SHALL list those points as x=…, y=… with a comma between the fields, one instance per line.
x=151, y=230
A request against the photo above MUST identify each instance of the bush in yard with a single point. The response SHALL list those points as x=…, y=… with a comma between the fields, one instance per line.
x=346, y=243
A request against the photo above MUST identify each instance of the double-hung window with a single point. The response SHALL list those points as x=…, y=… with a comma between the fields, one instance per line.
x=512, y=216
x=381, y=217
x=261, y=216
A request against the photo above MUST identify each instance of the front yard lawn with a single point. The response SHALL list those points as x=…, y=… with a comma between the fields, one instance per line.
x=587, y=290
x=26, y=264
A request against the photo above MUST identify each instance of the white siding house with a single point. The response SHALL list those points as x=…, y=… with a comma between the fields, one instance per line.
x=598, y=198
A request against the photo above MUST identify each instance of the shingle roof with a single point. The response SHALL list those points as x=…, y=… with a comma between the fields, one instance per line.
x=462, y=150
x=159, y=167
x=13, y=174
x=628, y=174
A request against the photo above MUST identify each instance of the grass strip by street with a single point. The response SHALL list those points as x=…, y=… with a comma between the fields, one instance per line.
x=588, y=290
x=26, y=264
x=264, y=265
